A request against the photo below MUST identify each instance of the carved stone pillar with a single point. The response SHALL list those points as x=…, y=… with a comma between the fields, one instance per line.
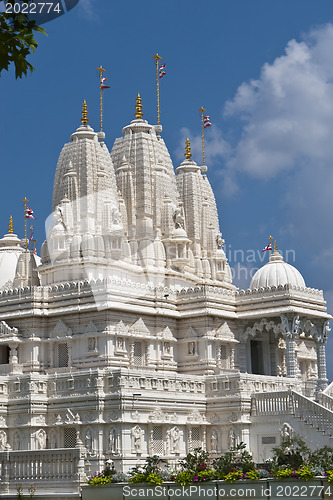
x=289, y=335
x=320, y=338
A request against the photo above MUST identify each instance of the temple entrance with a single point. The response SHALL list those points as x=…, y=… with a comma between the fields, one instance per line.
x=257, y=358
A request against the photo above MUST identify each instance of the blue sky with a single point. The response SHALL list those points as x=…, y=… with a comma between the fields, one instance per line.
x=263, y=70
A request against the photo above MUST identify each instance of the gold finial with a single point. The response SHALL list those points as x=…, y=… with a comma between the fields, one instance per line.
x=10, y=230
x=138, y=115
x=188, y=153
x=157, y=57
x=275, y=247
x=84, y=118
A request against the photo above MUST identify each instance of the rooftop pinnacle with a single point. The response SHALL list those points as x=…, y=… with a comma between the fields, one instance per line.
x=84, y=118
x=138, y=115
x=11, y=230
x=188, y=153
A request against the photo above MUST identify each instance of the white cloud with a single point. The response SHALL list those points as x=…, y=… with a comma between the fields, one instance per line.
x=88, y=9
x=288, y=111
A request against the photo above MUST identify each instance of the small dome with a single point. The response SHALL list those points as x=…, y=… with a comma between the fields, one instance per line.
x=277, y=272
x=10, y=251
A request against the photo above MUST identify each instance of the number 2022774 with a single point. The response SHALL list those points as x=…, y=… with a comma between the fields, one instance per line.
x=32, y=8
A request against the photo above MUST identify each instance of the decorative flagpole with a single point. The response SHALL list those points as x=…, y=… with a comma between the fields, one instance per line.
x=101, y=71
x=270, y=242
x=157, y=59
x=26, y=244
x=31, y=235
x=202, y=110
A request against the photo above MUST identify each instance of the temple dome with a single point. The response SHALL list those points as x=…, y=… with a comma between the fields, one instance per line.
x=277, y=272
x=10, y=251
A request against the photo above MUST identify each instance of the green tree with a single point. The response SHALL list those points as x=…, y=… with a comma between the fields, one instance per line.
x=17, y=41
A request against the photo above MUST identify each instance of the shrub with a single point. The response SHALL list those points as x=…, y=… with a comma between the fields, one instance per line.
x=323, y=457
x=292, y=452
x=236, y=458
x=195, y=461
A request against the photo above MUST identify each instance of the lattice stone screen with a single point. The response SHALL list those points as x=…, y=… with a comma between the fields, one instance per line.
x=62, y=355
x=138, y=354
x=157, y=440
x=195, y=437
x=69, y=437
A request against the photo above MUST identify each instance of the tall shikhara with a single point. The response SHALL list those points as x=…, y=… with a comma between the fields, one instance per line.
x=128, y=338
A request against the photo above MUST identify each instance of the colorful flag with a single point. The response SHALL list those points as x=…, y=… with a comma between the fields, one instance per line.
x=206, y=120
x=269, y=247
x=161, y=71
x=35, y=251
x=28, y=213
x=102, y=84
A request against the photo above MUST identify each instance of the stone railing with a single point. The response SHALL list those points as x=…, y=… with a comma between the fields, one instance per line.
x=325, y=400
x=295, y=404
x=234, y=383
x=329, y=389
x=47, y=469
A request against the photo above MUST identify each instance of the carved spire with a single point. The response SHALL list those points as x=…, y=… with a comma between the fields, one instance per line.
x=275, y=246
x=188, y=154
x=138, y=115
x=84, y=118
x=11, y=230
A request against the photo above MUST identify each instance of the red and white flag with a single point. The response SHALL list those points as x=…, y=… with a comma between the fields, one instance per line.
x=269, y=247
x=35, y=251
x=103, y=86
x=161, y=70
x=28, y=213
x=206, y=121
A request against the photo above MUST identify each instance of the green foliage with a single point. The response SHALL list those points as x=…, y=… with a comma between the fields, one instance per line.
x=329, y=474
x=292, y=452
x=17, y=41
x=323, y=457
x=284, y=473
x=304, y=473
x=196, y=461
x=150, y=472
x=19, y=491
x=236, y=458
x=104, y=477
x=251, y=474
x=184, y=477
x=232, y=476
x=99, y=480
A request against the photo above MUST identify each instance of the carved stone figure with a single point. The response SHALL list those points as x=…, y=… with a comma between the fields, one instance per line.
x=116, y=216
x=137, y=433
x=175, y=438
x=191, y=348
x=178, y=218
x=112, y=440
x=232, y=439
x=296, y=325
x=214, y=441
x=41, y=439
x=17, y=441
x=3, y=440
x=88, y=441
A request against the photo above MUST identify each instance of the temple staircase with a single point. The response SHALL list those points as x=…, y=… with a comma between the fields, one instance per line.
x=310, y=419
